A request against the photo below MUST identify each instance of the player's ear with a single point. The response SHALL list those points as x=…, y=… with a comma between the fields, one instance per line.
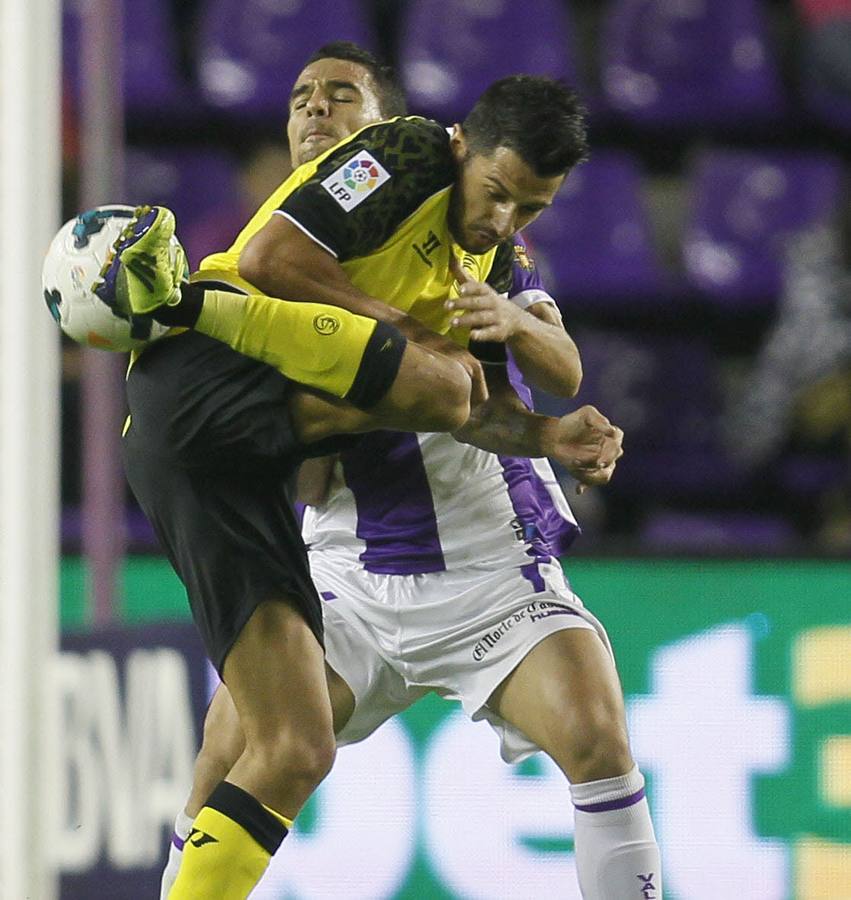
x=458, y=143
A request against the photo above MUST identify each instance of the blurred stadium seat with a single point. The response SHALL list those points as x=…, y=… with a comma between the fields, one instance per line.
x=664, y=393
x=199, y=185
x=716, y=532
x=744, y=208
x=828, y=108
x=595, y=244
x=153, y=84
x=250, y=51
x=686, y=64
x=451, y=50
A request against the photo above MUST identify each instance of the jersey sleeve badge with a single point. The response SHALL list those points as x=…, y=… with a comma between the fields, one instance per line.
x=355, y=180
x=522, y=258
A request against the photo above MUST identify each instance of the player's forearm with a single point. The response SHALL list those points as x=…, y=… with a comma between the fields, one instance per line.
x=503, y=425
x=546, y=354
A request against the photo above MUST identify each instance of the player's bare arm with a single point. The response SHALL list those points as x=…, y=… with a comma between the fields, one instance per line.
x=584, y=441
x=543, y=350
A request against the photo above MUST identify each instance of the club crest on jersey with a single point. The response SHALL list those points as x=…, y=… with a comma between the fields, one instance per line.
x=522, y=258
x=355, y=180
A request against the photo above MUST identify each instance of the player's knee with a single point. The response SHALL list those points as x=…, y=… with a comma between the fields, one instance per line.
x=600, y=750
x=299, y=760
x=443, y=401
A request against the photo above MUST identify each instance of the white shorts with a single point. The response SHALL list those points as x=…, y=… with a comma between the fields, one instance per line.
x=395, y=638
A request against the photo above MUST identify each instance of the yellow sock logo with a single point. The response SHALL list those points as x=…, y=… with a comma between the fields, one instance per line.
x=198, y=838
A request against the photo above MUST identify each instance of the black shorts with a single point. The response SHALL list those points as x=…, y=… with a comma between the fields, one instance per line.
x=210, y=453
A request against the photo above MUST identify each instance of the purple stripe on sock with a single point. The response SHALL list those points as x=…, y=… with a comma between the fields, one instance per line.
x=177, y=841
x=607, y=805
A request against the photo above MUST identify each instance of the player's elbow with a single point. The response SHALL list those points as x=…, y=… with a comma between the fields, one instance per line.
x=573, y=380
x=563, y=383
x=271, y=266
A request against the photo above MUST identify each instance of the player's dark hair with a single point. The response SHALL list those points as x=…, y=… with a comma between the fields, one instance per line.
x=538, y=118
x=390, y=93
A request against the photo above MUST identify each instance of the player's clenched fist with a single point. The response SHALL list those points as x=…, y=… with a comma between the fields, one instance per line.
x=587, y=444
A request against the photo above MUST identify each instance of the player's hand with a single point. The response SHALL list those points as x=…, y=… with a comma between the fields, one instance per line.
x=587, y=444
x=478, y=383
x=480, y=308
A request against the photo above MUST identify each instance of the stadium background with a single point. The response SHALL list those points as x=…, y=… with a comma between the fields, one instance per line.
x=700, y=260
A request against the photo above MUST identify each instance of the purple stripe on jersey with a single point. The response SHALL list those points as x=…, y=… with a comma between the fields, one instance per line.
x=608, y=805
x=177, y=841
x=327, y=595
x=396, y=517
x=298, y=509
x=530, y=573
x=550, y=533
x=543, y=526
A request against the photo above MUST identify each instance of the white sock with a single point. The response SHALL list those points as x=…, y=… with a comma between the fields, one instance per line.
x=182, y=827
x=617, y=857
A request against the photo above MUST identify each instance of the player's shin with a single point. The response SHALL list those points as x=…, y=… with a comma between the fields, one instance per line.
x=228, y=847
x=617, y=857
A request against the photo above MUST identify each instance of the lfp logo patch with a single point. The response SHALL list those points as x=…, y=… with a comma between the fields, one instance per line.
x=355, y=180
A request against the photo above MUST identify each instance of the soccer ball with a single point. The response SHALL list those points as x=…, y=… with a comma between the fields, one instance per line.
x=70, y=272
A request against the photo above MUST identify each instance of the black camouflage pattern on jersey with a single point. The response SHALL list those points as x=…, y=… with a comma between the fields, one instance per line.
x=416, y=154
x=501, y=275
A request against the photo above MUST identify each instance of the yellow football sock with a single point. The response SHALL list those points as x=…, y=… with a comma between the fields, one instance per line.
x=315, y=344
x=229, y=847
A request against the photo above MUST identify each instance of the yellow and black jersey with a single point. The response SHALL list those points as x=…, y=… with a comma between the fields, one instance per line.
x=379, y=202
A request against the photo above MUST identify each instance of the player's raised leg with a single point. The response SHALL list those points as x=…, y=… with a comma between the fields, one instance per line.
x=368, y=363
x=566, y=697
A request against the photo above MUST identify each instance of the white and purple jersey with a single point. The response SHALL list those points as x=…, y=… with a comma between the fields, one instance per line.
x=405, y=504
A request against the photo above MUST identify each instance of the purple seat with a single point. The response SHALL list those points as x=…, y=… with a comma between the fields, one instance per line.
x=250, y=51
x=830, y=109
x=804, y=476
x=201, y=187
x=670, y=63
x=744, y=208
x=451, y=50
x=663, y=392
x=153, y=83
x=594, y=244
x=716, y=532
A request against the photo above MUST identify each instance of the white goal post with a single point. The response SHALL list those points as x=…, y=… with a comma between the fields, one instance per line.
x=30, y=154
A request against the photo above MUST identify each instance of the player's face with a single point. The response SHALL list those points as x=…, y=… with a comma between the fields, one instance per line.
x=494, y=195
x=331, y=99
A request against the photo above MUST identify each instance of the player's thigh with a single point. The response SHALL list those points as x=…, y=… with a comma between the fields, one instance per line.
x=275, y=672
x=565, y=695
x=224, y=739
